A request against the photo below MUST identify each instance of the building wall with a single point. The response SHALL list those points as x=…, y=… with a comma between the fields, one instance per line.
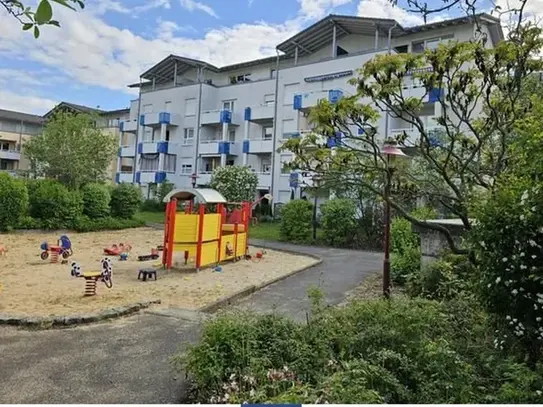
x=15, y=134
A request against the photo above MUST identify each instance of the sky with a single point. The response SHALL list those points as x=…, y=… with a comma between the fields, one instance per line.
x=100, y=50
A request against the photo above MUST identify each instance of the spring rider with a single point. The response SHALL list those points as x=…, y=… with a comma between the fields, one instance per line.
x=63, y=248
x=92, y=277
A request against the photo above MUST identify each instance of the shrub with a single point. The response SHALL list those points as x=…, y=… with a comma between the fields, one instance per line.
x=54, y=205
x=235, y=183
x=405, y=265
x=96, y=199
x=13, y=201
x=296, y=218
x=125, y=200
x=29, y=223
x=508, y=241
x=338, y=222
x=85, y=224
x=152, y=205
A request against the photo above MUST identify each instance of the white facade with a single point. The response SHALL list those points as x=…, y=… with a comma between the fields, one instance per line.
x=192, y=117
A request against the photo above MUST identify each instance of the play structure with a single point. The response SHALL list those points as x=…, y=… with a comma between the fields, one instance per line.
x=91, y=278
x=117, y=250
x=205, y=232
x=63, y=249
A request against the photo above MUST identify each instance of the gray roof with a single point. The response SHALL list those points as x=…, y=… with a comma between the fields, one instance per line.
x=20, y=117
x=82, y=109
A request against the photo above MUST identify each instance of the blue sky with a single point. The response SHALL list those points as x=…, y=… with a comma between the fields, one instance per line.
x=100, y=50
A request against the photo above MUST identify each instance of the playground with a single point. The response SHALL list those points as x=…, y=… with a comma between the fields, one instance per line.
x=35, y=287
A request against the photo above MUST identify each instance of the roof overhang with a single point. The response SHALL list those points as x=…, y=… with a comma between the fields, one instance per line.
x=166, y=69
x=203, y=195
x=320, y=34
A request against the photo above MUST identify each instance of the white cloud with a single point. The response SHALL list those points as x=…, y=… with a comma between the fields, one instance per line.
x=314, y=9
x=384, y=9
x=25, y=103
x=103, y=6
x=192, y=5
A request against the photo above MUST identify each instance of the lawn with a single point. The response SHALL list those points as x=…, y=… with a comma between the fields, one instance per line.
x=151, y=217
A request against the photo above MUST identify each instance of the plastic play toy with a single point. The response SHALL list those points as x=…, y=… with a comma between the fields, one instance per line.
x=117, y=250
x=210, y=238
x=153, y=256
x=91, y=278
x=63, y=248
x=3, y=250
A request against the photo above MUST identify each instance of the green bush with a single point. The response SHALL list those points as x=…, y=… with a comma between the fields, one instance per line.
x=96, y=198
x=338, y=222
x=29, y=223
x=125, y=200
x=507, y=239
x=152, y=205
x=85, y=224
x=53, y=204
x=13, y=201
x=235, y=183
x=404, y=266
x=296, y=221
x=399, y=351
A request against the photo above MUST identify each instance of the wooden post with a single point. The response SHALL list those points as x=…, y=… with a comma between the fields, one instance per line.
x=201, y=217
x=171, y=232
x=220, y=210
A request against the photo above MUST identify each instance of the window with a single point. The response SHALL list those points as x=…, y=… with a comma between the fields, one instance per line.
x=289, y=127
x=284, y=159
x=402, y=49
x=149, y=162
x=269, y=100
x=432, y=43
x=4, y=146
x=190, y=107
x=167, y=135
x=340, y=51
x=210, y=165
x=186, y=169
x=169, y=162
x=273, y=73
x=240, y=78
x=188, y=137
x=231, y=135
x=289, y=92
x=147, y=108
x=113, y=122
x=229, y=163
x=168, y=106
x=228, y=105
x=267, y=133
x=266, y=166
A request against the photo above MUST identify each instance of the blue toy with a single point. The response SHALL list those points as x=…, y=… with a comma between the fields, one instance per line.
x=218, y=269
x=63, y=248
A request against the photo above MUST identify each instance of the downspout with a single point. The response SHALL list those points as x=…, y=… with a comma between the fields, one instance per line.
x=275, y=126
x=200, y=73
x=137, y=137
x=389, y=52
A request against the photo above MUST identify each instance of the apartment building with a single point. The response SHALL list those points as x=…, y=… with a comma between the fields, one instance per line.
x=191, y=116
x=15, y=129
x=107, y=120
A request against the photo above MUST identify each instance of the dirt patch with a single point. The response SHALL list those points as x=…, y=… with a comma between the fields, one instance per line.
x=370, y=289
x=33, y=287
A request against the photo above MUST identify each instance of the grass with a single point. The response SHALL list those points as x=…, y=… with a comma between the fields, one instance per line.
x=151, y=217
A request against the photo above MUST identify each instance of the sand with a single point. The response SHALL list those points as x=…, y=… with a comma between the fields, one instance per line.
x=33, y=287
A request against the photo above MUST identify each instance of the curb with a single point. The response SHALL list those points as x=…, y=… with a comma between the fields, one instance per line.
x=72, y=320
x=230, y=299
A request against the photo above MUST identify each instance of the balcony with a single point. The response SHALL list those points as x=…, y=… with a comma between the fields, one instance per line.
x=217, y=147
x=258, y=146
x=413, y=135
x=264, y=180
x=127, y=151
x=218, y=116
x=420, y=92
x=121, y=177
x=150, y=177
x=153, y=147
x=308, y=100
x=14, y=155
x=128, y=126
x=204, y=178
x=260, y=113
x=156, y=119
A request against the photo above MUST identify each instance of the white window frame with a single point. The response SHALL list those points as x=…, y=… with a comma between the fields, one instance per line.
x=283, y=159
x=186, y=169
x=232, y=135
x=188, y=141
x=269, y=99
x=188, y=102
x=264, y=133
x=228, y=105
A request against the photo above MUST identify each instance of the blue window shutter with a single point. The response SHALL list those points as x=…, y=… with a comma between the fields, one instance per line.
x=297, y=102
x=247, y=113
x=246, y=146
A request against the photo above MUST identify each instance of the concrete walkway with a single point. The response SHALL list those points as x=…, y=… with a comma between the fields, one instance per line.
x=127, y=360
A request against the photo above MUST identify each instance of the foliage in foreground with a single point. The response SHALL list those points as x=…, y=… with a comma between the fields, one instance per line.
x=402, y=351
x=235, y=183
x=13, y=201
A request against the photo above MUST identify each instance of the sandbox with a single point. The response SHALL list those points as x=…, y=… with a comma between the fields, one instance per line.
x=33, y=287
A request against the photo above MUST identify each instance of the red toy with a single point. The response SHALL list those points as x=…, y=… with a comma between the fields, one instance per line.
x=63, y=248
x=115, y=250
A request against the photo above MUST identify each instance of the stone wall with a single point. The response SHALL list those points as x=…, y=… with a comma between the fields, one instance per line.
x=432, y=243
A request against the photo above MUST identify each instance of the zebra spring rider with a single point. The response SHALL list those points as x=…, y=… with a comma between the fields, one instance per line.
x=91, y=278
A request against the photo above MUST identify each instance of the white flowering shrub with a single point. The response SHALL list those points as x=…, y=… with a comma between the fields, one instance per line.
x=235, y=183
x=508, y=240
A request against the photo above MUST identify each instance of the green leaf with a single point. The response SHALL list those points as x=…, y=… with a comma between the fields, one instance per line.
x=27, y=26
x=36, y=31
x=44, y=12
x=54, y=22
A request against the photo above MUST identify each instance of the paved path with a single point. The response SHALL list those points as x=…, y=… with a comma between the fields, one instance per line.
x=127, y=361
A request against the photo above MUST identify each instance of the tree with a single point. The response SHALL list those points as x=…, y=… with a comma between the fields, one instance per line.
x=72, y=150
x=479, y=91
x=235, y=183
x=31, y=19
